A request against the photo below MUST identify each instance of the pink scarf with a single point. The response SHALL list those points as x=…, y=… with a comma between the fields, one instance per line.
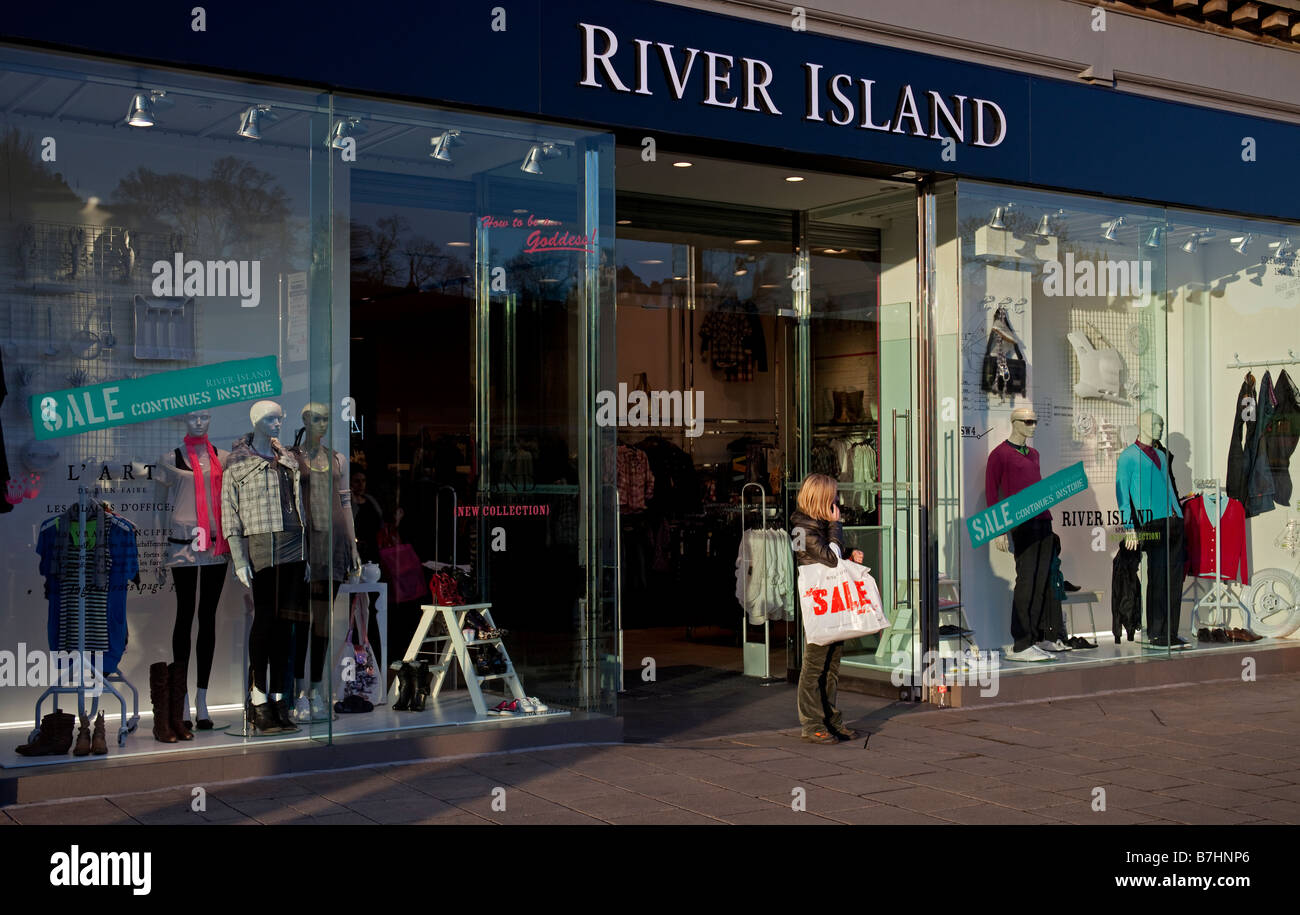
x=207, y=496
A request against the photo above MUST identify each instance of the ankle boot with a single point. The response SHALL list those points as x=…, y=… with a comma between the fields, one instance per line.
x=280, y=707
x=423, y=678
x=55, y=737
x=160, y=695
x=98, y=743
x=176, y=709
x=262, y=718
x=406, y=687
x=83, y=739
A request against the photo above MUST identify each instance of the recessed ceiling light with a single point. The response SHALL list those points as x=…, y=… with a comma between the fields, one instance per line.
x=707, y=285
x=835, y=250
x=794, y=178
x=768, y=286
x=519, y=210
x=547, y=222
x=748, y=241
x=457, y=244
x=625, y=222
x=650, y=262
x=679, y=277
x=548, y=279
x=682, y=164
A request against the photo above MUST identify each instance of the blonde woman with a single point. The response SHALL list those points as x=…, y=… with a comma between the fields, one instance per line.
x=818, y=515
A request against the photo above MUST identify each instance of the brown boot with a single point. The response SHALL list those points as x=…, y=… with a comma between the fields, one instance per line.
x=160, y=694
x=176, y=707
x=55, y=737
x=98, y=744
x=83, y=739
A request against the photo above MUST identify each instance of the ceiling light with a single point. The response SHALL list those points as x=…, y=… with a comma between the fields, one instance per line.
x=536, y=154
x=624, y=222
x=679, y=277
x=457, y=244
x=1192, y=244
x=250, y=120
x=650, y=262
x=1240, y=243
x=768, y=286
x=835, y=250
x=519, y=210
x=141, y=111
x=443, y=143
x=741, y=269
x=345, y=129
x=1111, y=226
x=548, y=279
x=793, y=178
x=1157, y=237
x=748, y=241
x=682, y=164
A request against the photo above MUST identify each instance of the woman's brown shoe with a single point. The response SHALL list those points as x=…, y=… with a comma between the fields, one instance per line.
x=83, y=738
x=98, y=743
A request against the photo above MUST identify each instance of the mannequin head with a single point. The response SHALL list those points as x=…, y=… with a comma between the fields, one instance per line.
x=1023, y=423
x=267, y=417
x=316, y=420
x=197, y=423
x=1151, y=425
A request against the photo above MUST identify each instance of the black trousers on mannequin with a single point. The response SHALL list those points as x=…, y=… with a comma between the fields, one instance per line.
x=1035, y=610
x=317, y=636
x=1162, y=541
x=205, y=583
x=276, y=588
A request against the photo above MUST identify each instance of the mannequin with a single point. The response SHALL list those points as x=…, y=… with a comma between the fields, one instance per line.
x=1148, y=505
x=262, y=512
x=192, y=476
x=1037, y=626
x=332, y=553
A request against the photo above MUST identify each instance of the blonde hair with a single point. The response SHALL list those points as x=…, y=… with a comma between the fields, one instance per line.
x=816, y=496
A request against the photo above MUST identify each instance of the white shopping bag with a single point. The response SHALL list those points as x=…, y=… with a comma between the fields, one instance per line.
x=839, y=604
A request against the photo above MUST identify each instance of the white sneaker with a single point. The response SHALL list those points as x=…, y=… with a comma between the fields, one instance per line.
x=1061, y=646
x=538, y=705
x=302, y=709
x=1047, y=646
x=1032, y=653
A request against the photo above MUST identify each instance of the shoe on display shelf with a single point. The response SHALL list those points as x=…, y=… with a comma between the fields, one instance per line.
x=1031, y=654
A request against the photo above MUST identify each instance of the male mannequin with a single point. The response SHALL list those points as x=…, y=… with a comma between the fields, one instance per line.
x=262, y=511
x=1037, y=627
x=192, y=474
x=1144, y=485
x=331, y=551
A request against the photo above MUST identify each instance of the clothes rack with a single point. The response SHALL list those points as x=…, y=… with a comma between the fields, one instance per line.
x=128, y=724
x=1291, y=359
x=1220, y=600
x=755, y=664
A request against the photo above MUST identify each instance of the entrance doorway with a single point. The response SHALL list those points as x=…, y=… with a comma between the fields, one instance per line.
x=780, y=313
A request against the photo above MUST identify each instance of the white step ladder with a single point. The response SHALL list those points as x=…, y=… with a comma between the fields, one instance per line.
x=453, y=647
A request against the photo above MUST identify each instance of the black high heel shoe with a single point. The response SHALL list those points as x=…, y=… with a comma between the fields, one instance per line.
x=263, y=718
x=423, y=678
x=280, y=707
x=406, y=687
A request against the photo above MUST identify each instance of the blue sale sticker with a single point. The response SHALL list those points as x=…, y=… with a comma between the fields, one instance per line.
x=1030, y=501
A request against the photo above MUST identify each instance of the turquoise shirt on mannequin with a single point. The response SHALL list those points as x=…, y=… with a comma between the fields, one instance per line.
x=1139, y=480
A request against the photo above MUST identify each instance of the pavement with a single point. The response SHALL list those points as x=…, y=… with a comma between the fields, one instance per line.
x=1220, y=753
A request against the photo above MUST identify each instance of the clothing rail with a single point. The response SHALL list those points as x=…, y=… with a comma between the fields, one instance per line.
x=1236, y=363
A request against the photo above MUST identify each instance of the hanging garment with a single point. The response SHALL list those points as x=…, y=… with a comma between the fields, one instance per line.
x=1280, y=437
x=1101, y=371
x=1259, y=475
x=765, y=576
x=1125, y=593
x=676, y=481
x=1209, y=519
x=1004, y=371
x=864, y=471
x=1244, y=411
x=110, y=560
x=636, y=483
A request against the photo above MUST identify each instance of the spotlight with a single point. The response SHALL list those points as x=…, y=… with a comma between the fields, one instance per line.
x=1192, y=244
x=1111, y=226
x=1156, y=238
x=998, y=222
x=1285, y=248
x=250, y=120
x=141, y=111
x=1044, y=229
x=443, y=143
x=345, y=129
x=1240, y=244
x=536, y=154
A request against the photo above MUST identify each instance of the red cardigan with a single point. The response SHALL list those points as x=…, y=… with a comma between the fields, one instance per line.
x=1201, y=534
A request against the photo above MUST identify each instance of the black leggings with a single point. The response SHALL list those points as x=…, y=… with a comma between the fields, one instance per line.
x=208, y=581
x=275, y=589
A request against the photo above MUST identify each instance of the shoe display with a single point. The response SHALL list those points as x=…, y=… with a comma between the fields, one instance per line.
x=506, y=707
x=301, y=709
x=160, y=694
x=280, y=708
x=1070, y=586
x=353, y=704
x=423, y=684
x=406, y=687
x=1060, y=645
x=55, y=737
x=318, y=710
x=83, y=738
x=263, y=719
x=538, y=704
x=1033, y=654
x=98, y=743
x=482, y=664
x=1203, y=635
x=176, y=709
x=1078, y=641
x=1046, y=646
x=949, y=629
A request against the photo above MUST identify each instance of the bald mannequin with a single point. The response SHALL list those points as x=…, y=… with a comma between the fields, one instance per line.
x=1024, y=422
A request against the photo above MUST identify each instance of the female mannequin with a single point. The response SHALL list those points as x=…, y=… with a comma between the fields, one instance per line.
x=196, y=551
x=262, y=512
x=331, y=550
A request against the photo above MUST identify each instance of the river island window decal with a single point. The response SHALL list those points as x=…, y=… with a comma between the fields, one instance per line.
x=840, y=99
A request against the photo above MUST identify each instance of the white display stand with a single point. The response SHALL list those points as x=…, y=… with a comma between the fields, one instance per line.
x=381, y=613
x=451, y=647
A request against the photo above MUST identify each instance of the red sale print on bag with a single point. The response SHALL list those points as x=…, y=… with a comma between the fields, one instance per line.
x=819, y=599
x=862, y=596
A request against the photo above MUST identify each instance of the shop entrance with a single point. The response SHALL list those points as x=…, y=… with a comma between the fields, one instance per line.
x=777, y=306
